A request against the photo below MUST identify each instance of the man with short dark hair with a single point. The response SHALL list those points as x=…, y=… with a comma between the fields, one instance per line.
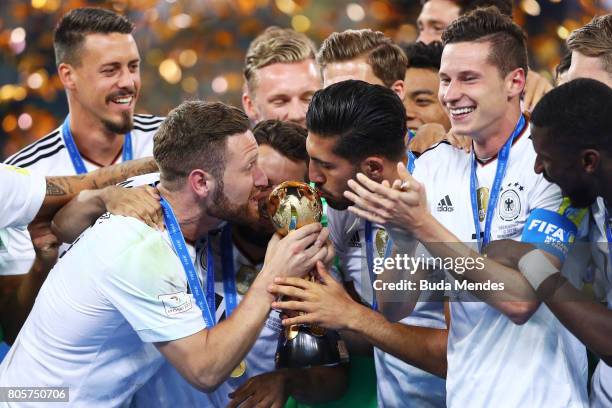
x=239, y=250
x=421, y=85
x=571, y=135
x=99, y=65
x=124, y=287
x=489, y=195
x=436, y=15
x=354, y=126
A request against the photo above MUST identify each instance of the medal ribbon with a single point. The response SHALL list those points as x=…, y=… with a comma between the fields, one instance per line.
x=229, y=274
x=227, y=263
x=608, y=228
x=75, y=156
x=411, y=156
x=180, y=247
x=502, y=164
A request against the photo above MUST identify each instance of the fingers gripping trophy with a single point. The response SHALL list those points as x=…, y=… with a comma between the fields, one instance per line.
x=292, y=205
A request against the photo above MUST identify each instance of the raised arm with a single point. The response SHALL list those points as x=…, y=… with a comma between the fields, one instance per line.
x=206, y=358
x=62, y=189
x=404, y=206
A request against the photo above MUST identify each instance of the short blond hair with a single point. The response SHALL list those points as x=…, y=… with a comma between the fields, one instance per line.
x=594, y=40
x=275, y=45
x=387, y=60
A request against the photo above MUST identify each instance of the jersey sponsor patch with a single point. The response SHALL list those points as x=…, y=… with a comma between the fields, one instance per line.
x=175, y=303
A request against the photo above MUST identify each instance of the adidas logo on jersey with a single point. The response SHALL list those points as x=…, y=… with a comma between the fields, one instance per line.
x=445, y=205
x=355, y=241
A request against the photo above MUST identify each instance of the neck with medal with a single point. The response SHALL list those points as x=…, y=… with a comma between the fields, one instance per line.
x=502, y=164
x=370, y=243
x=75, y=156
x=228, y=271
x=180, y=247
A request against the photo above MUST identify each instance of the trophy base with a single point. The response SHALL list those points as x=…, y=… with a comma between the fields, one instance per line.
x=304, y=346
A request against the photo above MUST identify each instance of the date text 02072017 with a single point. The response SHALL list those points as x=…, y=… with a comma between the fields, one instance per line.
x=34, y=394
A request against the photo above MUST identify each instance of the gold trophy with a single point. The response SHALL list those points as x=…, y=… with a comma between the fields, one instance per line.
x=292, y=205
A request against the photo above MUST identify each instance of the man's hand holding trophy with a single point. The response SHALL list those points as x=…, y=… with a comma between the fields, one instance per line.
x=292, y=205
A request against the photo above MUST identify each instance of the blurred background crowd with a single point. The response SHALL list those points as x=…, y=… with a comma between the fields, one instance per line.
x=195, y=48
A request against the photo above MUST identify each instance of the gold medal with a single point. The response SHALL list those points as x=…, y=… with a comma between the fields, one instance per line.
x=292, y=331
x=244, y=278
x=381, y=242
x=483, y=202
x=239, y=370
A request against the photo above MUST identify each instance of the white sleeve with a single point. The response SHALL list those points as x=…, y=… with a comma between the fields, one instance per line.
x=544, y=195
x=16, y=251
x=147, y=285
x=335, y=224
x=22, y=195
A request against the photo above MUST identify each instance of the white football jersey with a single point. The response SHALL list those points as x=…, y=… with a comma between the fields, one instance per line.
x=22, y=195
x=398, y=383
x=49, y=157
x=491, y=360
x=601, y=386
x=168, y=388
x=119, y=288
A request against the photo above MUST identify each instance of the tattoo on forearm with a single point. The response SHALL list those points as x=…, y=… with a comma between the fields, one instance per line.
x=53, y=189
x=115, y=174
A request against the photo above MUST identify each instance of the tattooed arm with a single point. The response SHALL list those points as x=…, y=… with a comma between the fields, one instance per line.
x=60, y=190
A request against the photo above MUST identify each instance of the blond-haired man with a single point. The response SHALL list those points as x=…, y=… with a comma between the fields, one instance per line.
x=280, y=76
x=591, y=48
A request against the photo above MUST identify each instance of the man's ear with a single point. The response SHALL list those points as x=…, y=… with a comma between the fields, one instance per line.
x=66, y=75
x=590, y=159
x=515, y=82
x=248, y=104
x=201, y=182
x=399, y=89
x=373, y=167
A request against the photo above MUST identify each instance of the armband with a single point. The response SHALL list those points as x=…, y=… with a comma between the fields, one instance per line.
x=549, y=231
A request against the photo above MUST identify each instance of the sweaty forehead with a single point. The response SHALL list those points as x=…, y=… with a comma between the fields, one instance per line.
x=241, y=147
x=320, y=148
x=357, y=68
x=464, y=56
x=108, y=48
x=288, y=78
